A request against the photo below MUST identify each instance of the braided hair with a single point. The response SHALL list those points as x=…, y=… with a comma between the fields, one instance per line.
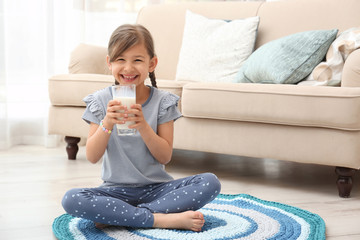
x=127, y=36
x=153, y=79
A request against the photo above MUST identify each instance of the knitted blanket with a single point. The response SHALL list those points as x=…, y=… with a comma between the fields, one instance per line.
x=227, y=217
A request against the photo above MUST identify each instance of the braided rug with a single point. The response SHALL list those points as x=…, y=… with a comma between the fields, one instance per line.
x=227, y=217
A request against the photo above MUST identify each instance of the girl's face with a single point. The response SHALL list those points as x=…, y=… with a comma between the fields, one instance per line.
x=132, y=66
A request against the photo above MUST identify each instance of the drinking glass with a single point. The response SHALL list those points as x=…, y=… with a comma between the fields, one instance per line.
x=126, y=94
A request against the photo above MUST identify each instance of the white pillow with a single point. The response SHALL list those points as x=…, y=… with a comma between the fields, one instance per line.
x=213, y=50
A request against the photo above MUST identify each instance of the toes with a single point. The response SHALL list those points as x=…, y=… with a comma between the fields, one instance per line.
x=199, y=215
x=199, y=224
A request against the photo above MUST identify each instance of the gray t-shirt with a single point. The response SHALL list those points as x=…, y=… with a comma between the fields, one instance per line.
x=127, y=161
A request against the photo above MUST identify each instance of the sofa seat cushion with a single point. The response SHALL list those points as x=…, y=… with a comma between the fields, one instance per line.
x=70, y=89
x=172, y=86
x=328, y=107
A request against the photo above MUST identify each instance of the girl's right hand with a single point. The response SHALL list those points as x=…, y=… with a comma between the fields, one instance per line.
x=114, y=114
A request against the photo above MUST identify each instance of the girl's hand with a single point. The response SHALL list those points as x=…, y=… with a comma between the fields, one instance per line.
x=159, y=143
x=135, y=114
x=115, y=114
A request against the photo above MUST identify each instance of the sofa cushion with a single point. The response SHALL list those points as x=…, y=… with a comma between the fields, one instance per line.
x=70, y=89
x=174, y=87
x=329, y=73
x=328, y=107
x=287, y=60
x=87, y=58
x=213, y=50
x=167, y=29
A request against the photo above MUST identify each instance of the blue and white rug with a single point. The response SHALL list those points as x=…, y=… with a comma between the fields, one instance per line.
x=227, y=217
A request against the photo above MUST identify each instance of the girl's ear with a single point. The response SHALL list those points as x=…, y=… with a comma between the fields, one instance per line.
x=108, y=61
x=153, y=63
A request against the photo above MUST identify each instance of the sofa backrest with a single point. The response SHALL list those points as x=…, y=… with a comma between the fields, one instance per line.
x=277, y=19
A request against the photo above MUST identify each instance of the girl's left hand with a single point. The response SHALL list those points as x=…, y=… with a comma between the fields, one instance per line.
x=137, y=117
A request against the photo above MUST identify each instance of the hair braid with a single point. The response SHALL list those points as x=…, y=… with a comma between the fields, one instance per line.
x=153, y=79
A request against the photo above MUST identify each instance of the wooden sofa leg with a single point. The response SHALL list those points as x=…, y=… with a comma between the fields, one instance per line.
x=344, y=181
x=72, y=148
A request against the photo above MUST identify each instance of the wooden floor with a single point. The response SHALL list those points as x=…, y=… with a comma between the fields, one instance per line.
x=33, y=180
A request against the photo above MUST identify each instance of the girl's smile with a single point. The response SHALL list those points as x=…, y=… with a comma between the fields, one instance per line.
x=129, y=78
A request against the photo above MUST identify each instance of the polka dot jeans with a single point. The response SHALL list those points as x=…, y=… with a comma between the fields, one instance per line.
x=134, y=206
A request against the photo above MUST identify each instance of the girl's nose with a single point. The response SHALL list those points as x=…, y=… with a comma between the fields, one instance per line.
x=128, y=67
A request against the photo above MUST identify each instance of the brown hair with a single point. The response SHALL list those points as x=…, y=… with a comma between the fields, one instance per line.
x=127, y=36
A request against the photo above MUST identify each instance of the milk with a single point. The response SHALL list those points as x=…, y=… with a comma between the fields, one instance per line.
x=126, y=101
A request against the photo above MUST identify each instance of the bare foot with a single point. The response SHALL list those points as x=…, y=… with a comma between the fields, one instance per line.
x=188, y=220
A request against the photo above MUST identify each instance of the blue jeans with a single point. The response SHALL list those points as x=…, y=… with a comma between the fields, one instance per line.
x=134, y=206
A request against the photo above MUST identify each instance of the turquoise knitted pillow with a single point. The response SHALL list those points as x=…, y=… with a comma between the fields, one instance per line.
x=287, y=60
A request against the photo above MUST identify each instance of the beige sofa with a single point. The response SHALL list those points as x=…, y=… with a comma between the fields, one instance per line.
x=306, y=124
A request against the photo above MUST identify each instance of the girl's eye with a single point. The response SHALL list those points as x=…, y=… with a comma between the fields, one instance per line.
x=138, y=60
x=120, y=59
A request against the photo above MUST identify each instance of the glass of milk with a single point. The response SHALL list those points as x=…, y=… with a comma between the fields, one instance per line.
x=126, y=94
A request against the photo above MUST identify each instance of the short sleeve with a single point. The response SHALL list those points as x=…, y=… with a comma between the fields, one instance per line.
x=168, y=110
x=93, y=112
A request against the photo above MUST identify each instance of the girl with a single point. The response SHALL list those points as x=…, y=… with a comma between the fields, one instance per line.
x=137, y=191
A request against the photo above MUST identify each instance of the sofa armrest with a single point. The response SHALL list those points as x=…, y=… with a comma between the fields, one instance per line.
x=351, y=70
x=88, y=59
